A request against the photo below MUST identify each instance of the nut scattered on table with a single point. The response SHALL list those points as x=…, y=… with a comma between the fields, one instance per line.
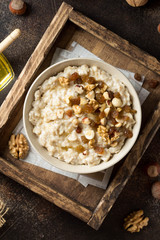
x=17, y=7
x=136, y=3
x=153, y=83
x=155, y=189
x=3, y=211
x=137, y=76
x=135, y=221
x=158, y=28
x=18, y=146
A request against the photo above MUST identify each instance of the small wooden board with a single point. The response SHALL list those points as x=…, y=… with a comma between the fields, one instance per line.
x=90, y=204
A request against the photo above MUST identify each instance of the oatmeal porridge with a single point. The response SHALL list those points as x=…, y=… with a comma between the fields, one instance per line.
x=82, y=115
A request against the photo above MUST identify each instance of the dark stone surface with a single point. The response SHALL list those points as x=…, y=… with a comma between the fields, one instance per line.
x=32, y=217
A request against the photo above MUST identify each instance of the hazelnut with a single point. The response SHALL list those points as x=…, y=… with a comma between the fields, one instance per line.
x=137, y=76
x=17, y=7
x=156, y=190
x=158, y=28
x=116, y=102
x=153, y=83
x=136, y=3
x=153, y=170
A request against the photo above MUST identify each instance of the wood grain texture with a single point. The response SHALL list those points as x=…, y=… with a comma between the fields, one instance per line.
x=115, y=41
x=34, y=62
x=125, y=171
x=38, y=185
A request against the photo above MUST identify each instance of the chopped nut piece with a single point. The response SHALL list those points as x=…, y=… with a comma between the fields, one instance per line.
x=115, y=136
x=77, y=109
x=119, y=109
x=135, y=221
x=94, y=104
x=83, y=101
x=63, y=81
x=18, y=146
x=106, y=95
x=86, y=120
x=60, y=113
x=103, y=121
x=103, y=106
x=118, y=125
x=103, y=132
x=106, y=111
x=89, y=87
x=91, y=95
x=92, y=142
x=75, y=122
x=79, y=89
x=116, y=102
x=104, y=88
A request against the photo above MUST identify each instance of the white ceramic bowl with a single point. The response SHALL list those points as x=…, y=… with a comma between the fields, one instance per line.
x=53, y=70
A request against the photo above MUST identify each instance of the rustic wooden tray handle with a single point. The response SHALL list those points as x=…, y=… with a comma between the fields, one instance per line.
x=8, y=40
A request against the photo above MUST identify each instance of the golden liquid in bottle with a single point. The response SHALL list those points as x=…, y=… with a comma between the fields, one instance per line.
x=6, y=72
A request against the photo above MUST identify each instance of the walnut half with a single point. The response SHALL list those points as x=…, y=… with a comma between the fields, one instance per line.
x=135, y=221
x=18, y=146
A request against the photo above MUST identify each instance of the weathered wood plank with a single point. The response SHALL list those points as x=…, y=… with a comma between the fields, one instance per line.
x=125, y=171
x=37, y=185
x=115, y=41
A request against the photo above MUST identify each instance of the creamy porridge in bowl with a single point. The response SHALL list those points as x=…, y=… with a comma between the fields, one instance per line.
x=82, y=115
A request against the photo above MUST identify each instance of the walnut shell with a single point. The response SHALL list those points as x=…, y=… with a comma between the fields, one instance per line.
x=18, y=146
x=136, y=3
x=135, y=221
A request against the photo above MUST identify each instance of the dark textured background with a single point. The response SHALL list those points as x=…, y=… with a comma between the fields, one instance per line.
x=32, y=217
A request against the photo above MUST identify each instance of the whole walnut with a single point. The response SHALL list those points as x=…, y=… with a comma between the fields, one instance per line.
x=136, y=3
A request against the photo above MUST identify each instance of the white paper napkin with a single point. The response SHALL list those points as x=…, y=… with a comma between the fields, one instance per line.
x=99, y=179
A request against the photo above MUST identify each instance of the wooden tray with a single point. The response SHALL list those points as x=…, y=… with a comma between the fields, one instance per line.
x=90, y=204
